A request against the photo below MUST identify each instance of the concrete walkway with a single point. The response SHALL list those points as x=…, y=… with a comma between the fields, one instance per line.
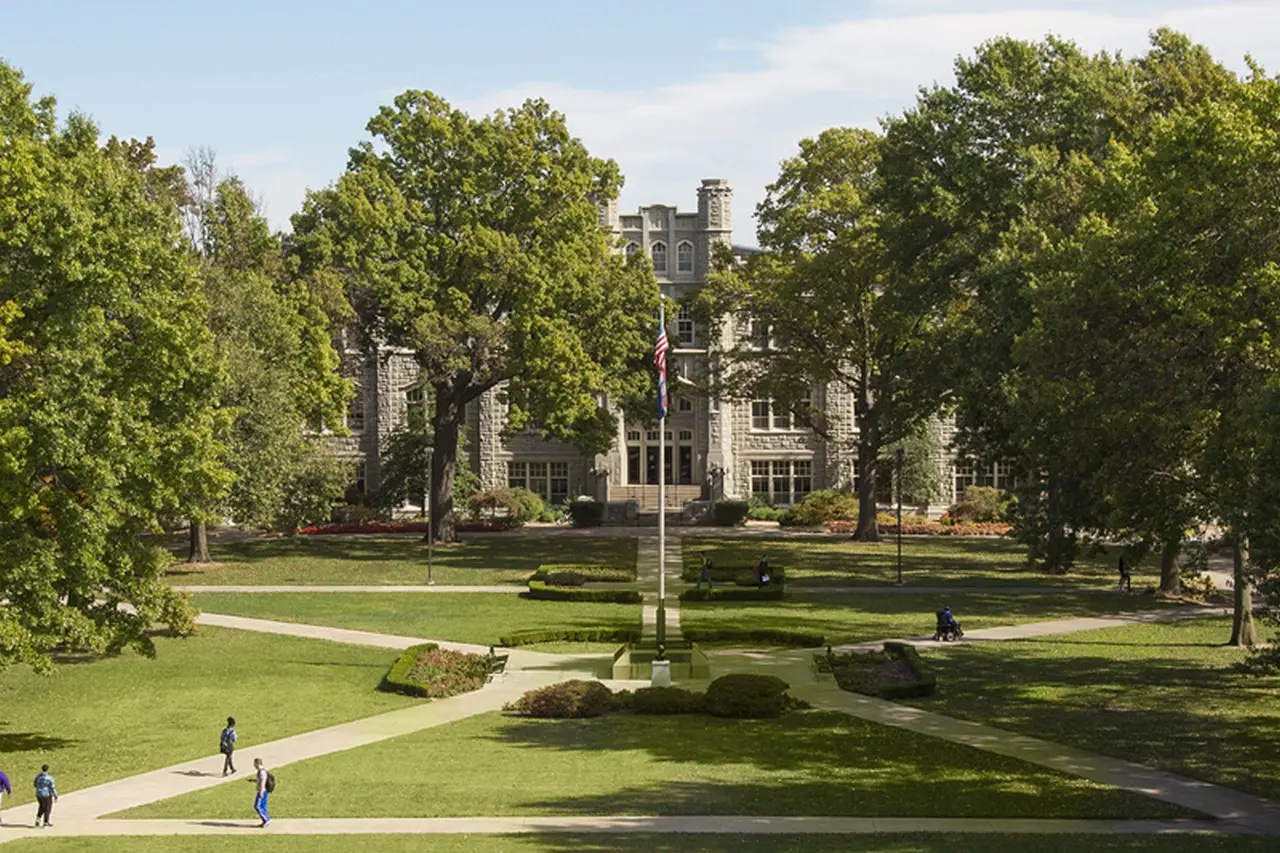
x=197, y=589
x=337, y=635
x=621, y=824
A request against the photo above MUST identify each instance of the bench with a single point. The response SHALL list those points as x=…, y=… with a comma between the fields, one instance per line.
x=497, y=664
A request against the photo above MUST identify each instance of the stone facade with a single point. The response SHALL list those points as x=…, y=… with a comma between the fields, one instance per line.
x=714, y=448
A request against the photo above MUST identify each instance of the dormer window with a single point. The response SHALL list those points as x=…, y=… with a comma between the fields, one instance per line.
x=658, y=251
x=684, y=256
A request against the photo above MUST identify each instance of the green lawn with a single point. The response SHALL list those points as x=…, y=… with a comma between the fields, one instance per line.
x=650, y=843
x=396, y=559
x=463, y=617
x=926, y=561
x=848, y=618
x=1163, y=695
x=109, y=718
x=804, y=764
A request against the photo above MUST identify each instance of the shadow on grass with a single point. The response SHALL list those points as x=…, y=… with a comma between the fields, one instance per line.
x=32, y=742
x=811, y=764
x=907, y=843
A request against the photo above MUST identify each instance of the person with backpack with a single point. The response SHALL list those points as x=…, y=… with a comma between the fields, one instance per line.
x=46, y=796
x=5, y=788
x=227, y=745
x=266, y=784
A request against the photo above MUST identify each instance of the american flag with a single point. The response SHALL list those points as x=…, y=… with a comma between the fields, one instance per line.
x=660, y=359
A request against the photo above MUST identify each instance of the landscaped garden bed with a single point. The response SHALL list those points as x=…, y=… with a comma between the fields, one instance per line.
x=577, y=574
x=432, y=672
x=540, y=591
x=738, y=695
x=896, y=672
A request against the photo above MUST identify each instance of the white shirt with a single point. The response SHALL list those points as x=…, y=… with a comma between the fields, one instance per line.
x=262, y=780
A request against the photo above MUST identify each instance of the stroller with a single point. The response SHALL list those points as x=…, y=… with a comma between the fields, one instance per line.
x=947, y=629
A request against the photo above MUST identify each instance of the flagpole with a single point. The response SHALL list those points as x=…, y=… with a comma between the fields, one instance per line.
x=662, y=500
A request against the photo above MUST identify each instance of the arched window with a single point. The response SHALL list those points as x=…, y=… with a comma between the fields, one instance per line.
x=631, y=249
x=684, y=256
x=658, y=251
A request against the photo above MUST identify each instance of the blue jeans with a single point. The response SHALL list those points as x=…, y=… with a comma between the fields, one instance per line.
x=260, y=806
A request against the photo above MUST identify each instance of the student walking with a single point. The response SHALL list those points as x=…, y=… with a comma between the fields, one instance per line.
x=265, y=785
x=227, y=745
x=1126, y=577
x=46, y=796
x=4, y=787
x=704, y=573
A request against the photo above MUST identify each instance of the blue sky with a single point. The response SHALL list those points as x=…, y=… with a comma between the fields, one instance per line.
x=674, y=90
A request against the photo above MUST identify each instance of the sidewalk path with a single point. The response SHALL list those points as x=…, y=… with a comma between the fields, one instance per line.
x=622, y=824
x=197, y=589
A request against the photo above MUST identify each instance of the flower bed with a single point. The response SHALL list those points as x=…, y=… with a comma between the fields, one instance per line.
x=895, y=673
x=430, y=671
x=928, y=528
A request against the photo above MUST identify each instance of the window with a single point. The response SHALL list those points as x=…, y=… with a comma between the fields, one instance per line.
x=770, y=414
x=547, y=480
x=651, y=435
x=760, y=414
x=631, y=249
x=686, y=435
x=964, y=476
x=684, y=404
x=633, y=435
x=781, y=481
x=684, y=327
x=558, y=483
x=758, y=333
x=355, y=412
x=658, y=251
x=684, y=256
x=362, y=473
x=414, y=396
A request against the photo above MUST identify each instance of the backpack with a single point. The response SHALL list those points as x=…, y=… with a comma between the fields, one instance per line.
x=270, y=787
x=226, y=743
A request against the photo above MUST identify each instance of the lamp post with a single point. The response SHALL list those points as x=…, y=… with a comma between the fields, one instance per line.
x=429, y=504
x=899, y=453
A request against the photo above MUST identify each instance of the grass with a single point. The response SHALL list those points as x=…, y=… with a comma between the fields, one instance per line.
x=395, y=559
x=652, y=843
x=108, y=718
x=471, y=617
x=803, y=764
x=1162, y=695
x=848, y=618
x=926, y=561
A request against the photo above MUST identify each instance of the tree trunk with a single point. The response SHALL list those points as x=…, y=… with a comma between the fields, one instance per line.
x=1243, y=630
x=1170, y=573
x=199, y=550
x=868, y=451
x=446, y=421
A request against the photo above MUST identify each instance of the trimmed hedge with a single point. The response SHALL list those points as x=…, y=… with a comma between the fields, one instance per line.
x=662, y=700
x=586, y=513
x=771, y=636
x=432, y=672
x=534, y=636
x=745, y=575
x=568, y=699
x=771, y=592
x=744, y=695
x=926, y=683
x=576, y=574
x=730, y=513
x=543, y=592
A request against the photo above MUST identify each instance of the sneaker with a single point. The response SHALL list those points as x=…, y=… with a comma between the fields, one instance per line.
x=264, y=823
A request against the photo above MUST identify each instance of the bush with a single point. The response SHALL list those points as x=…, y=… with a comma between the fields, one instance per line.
x=586, y=513
x=746, y=696
x=982, y=504
x=576, y=574
x=760, y=511
x=771, y=592
x=663, y=700
x=820, y=507
x=926, y=683
x=541, y=591
x=529, y=505
x=568, y=699
x=738, y=574
x=430, y=671
x=601, y=634
x=763, y=636
x=495, y=504
x=729, y=513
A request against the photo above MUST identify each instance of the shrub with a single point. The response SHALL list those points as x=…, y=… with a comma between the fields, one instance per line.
x=747, y=696
x=822, y=506
x=771, y=592
x=529, y=505
x=926, y=683
x=761, y=636
x=760, y=511
x=564, y=700
x=730, y=513
x=981, y=504
x=494, y=504
x=430, y=671
x=541, y=591
x=738, y=574
x=602, y=634
x=586, y=513
x=664, y=700
x=575, y=574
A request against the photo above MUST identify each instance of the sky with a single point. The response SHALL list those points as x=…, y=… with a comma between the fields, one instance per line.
x=674, y=90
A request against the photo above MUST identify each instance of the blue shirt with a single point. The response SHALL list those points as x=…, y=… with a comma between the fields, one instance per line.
x=4, y=783
x=44, y=785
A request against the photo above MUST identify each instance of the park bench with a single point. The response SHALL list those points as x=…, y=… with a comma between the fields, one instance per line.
x=497, y=664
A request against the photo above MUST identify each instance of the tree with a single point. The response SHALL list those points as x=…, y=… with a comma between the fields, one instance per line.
x=820, y=296
x=275, y=337
x=476, y=243
x=107, y=382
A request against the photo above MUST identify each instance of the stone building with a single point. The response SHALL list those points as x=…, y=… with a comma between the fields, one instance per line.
x=714, y=449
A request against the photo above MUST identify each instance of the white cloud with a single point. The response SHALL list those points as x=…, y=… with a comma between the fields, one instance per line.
x=739, y=125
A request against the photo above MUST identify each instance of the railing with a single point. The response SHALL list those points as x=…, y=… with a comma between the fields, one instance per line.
x=647, y=496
